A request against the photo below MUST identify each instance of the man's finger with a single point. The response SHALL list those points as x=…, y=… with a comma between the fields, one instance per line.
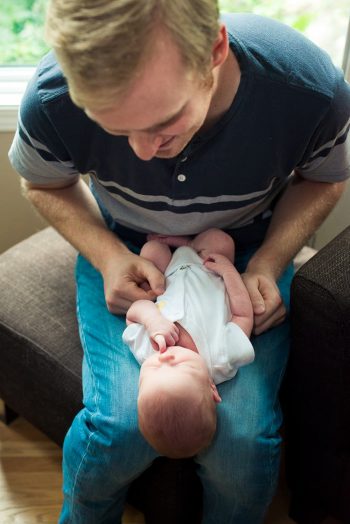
x=155, y=279
x=261, y=325
x=256, y=298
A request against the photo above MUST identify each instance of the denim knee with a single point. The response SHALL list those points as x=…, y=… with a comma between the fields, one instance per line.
x=243, y=459
x=107, y=447
x=117, y=435
x=244, y=448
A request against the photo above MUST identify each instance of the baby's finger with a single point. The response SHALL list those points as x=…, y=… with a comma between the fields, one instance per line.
x=170, y=340
x=160, y=342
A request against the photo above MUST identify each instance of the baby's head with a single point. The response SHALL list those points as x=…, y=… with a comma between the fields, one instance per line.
x=176, y=404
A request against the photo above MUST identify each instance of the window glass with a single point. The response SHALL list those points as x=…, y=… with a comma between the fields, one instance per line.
x=323, y=21
x=22, y=32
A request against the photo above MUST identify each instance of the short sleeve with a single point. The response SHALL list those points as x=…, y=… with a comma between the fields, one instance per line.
x=328, y=157
x=136, y=337
x=37, y=152
x=236, y=351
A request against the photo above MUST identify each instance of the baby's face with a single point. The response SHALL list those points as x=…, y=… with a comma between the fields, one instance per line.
x=178, y=366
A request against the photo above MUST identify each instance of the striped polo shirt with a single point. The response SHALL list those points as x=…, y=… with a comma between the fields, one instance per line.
x=291, y=113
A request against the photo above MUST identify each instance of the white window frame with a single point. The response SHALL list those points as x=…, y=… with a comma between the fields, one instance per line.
x=346, y=56
x=14, y=79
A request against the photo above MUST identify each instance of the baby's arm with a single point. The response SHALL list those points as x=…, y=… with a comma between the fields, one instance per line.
x=162, y=332
x=240, y=303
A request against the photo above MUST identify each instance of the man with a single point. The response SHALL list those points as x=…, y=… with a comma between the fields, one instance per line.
x=183, y=123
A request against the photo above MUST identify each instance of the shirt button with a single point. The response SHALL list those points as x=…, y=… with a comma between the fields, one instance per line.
x=181, y=178
x=184, y=159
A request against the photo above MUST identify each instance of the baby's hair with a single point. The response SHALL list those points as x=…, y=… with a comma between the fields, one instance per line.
x=176, y=423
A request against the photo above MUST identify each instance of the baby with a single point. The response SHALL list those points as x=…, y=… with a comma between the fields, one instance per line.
x=196, y=335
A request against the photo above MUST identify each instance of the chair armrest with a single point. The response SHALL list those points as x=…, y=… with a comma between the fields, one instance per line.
x=317, y=392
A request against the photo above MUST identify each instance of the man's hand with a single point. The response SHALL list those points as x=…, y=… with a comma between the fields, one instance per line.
x=268, y=307
x=297, y=215
x=123, y=277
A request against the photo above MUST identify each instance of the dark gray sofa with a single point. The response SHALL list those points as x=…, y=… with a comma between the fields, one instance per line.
x=317, y=387
x=40, y=376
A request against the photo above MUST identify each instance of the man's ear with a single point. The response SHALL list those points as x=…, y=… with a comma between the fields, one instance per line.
x=215, y=392
x=220, y=47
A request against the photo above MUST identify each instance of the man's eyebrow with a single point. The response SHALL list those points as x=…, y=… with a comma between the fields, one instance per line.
x=168, y=121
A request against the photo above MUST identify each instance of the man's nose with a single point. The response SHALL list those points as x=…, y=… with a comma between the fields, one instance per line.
x=144, y=145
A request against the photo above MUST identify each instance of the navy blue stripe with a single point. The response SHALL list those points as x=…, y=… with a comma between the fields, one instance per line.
x=48, y=157
x=325, y=152
x=23, y=136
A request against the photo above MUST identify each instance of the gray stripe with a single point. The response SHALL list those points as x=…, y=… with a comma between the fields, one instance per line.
x=38, y=145
x=328, y=144
x=187, y=202
x=35, y=143
x=336, y=164
x=166, y=222
x=29, y=164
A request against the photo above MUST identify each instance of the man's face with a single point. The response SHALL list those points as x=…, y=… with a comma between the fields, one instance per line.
x=163, y=109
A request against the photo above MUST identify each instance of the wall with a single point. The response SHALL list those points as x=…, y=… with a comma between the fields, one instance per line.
x=18, y=220
x=338, y=220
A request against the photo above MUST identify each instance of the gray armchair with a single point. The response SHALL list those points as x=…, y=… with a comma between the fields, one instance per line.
x=317, y=387
x=40, y=376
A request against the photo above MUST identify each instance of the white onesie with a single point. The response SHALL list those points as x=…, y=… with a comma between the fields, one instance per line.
x=196, y=298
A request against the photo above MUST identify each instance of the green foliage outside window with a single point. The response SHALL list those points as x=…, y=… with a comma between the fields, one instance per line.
x=22, y=31
x=276, y=9
x=22, y=22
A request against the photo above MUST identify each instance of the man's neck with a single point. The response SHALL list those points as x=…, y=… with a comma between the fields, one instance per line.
x=225, y=89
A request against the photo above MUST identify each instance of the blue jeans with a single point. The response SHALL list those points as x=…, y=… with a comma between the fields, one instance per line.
x=104, y=450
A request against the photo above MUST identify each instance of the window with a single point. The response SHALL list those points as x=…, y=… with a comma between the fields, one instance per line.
x=323, y=21
x=21, y=27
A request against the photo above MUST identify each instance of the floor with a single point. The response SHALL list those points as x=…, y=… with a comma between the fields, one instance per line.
x=30, y=479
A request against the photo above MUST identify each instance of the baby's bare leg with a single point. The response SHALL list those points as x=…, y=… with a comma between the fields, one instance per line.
x=157, y=253
x=214, y=241
x=171, y=240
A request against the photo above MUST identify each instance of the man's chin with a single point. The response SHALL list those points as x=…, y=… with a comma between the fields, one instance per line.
x=173, y=150
x=167, y=154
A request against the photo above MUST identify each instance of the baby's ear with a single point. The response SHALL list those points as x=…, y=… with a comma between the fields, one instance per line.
x=215, y=392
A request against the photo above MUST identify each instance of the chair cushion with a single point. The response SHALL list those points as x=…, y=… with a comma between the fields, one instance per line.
x=40, y=347
x=317, y=385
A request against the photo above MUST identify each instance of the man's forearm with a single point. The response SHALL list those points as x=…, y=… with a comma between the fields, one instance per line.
x=73, y=211
x=297, y=215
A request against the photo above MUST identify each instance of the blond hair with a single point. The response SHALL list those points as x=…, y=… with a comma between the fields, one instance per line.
x=100, y=44
x=176, y=423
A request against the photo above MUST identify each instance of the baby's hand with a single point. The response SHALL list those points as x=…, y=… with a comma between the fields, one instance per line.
x=218, y=263
x=163, y=334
